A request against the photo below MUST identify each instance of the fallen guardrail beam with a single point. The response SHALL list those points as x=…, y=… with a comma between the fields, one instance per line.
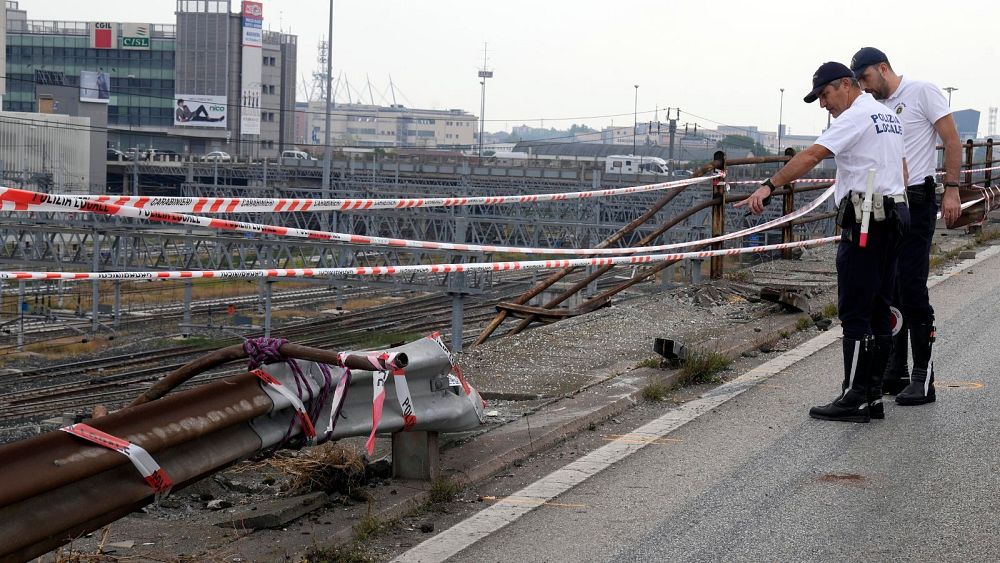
x=66, y=483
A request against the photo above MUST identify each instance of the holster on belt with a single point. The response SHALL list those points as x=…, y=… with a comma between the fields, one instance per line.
x=854, y=201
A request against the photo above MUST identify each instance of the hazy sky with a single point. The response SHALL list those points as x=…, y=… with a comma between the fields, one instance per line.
x=566, y=61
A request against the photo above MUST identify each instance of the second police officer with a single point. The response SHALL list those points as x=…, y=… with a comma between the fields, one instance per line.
x=864, y=136
x=925, y=115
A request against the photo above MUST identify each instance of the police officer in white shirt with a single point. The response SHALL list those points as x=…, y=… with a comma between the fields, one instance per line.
x=925, y=115
x=864, y=136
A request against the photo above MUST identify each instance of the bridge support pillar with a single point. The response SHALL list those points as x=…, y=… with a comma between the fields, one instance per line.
x=118, y=302
x=186, y=322
x=415, y=455
x=267, y=308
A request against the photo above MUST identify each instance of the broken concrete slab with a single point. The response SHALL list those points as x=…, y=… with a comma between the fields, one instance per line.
x=274, y=514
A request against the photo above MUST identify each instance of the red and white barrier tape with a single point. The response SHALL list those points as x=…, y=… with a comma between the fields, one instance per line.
x=339, y=395
x=151, y=471
x=300, y=409
x=32, y=200
x=200, y=205
x=799, y=181
x=400, y=270
x=379, y=378
x=378, y=400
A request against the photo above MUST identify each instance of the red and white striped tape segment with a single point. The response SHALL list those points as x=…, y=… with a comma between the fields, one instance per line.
x=404, y=398
x=33, y=200
x=151, y=471
x=379, y=378
x=412, y=269
x=300, y=409
x=339, y=394
x=378, y=400
x=799, y=181
x=824, y=180
x=199, y=205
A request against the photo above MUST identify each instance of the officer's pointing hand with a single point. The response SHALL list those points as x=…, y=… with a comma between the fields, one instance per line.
x=755, y=201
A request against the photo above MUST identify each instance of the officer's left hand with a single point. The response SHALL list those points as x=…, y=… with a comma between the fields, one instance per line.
x=951, y=206
x=755, y=201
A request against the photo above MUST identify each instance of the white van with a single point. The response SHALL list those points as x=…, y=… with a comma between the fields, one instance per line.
x=631, y=164
x=300, y=155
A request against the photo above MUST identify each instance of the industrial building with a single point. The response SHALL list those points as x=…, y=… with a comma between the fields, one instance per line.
x=212, y=80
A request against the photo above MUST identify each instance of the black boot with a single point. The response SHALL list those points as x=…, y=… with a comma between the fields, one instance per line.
x=920, y=391
x=897, y=372
x=852, y=405
x=882, y=348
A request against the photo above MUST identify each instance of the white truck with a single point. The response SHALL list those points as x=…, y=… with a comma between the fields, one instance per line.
x=631, y=164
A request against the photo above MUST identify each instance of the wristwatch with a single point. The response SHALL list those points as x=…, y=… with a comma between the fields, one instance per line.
x=769, y=184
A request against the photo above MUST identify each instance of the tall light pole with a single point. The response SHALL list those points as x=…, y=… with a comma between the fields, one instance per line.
x=635, y=117
x=781, y=108
x=328, y=148
x=483, y=75
x=949, y=89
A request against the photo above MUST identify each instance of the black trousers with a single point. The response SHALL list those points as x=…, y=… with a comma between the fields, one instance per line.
x=910, y=295
x=866, y=276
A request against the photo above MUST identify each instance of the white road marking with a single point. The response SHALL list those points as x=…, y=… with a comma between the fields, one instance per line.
x=480, y=525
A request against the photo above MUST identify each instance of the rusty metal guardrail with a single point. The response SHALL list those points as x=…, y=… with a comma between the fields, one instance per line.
x=58, y=486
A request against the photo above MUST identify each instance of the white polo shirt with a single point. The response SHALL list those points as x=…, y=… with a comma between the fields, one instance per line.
x=919, y=105
x=865, y=136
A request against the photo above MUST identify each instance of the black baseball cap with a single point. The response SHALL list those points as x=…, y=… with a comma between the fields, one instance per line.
x=866, y=57
x=825, y=74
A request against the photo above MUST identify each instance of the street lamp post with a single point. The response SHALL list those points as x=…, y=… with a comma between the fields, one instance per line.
x=781, y=108
x=949, y=89
x=483, y=75
x=635, y=117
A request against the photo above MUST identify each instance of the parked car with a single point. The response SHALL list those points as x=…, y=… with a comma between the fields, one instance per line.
x=115, y=154
x=157, y=154
x=217, y=156
x=133, y=154
x=301, y=155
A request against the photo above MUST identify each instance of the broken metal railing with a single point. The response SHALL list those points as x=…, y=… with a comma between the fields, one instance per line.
x=57, y=486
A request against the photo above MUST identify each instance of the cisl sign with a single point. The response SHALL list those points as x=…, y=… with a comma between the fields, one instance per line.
x=135, y=36
x=103, y=35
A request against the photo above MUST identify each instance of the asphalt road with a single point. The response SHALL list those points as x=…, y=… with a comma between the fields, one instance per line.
x=755, y=479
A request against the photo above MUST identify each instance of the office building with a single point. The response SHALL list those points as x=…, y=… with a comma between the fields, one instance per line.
x=211, y=80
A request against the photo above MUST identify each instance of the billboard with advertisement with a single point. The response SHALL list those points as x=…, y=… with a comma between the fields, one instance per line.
x=199, y=111
x=253, y=10
x=135, y=36
x=103, y=35
x=250, y=87
x=95, y=86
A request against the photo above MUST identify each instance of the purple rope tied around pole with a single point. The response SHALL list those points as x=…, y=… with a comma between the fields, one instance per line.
x=263, y=351
x=266, y=351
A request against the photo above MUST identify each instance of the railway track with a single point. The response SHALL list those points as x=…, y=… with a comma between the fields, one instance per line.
x=114, y=381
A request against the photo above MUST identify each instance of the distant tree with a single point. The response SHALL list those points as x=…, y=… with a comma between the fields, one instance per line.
x=736, y=142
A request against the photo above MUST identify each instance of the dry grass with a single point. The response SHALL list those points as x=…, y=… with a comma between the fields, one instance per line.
x=80, y=295
x=70, y=346
x=702, y=366
x=655, y=391
x=328, y=467
x=368, y=302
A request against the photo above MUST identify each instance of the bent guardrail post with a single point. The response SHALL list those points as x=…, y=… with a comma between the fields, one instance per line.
x=788, y=206
x=718, y=214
